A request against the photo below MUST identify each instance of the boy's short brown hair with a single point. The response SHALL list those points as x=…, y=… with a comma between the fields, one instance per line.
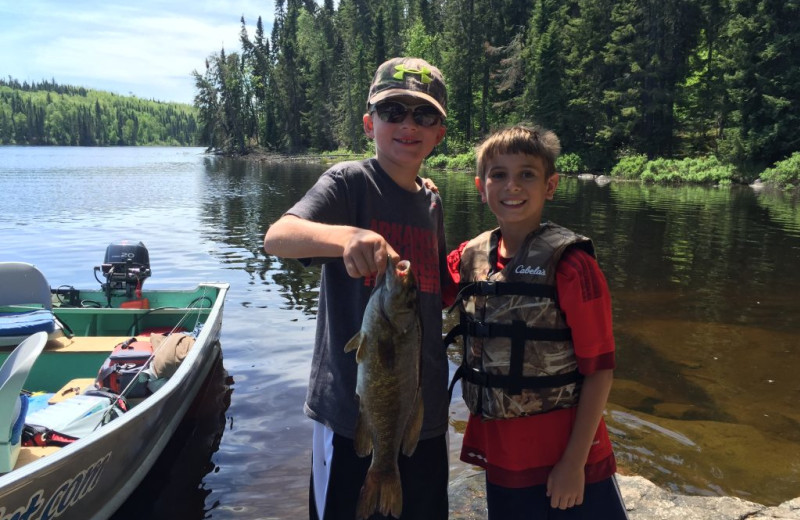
x=520, y=139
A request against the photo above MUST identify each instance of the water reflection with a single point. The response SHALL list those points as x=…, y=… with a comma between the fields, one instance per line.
x=245, y=197
x=173, y=488
x=783, y=209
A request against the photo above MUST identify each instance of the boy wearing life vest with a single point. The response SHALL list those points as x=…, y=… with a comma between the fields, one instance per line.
x=538, y=347
x=357, y=215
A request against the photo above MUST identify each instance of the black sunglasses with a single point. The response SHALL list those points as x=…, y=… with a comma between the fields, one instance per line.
x=395, y=112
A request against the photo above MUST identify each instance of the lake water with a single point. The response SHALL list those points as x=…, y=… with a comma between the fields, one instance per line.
x=704, y=281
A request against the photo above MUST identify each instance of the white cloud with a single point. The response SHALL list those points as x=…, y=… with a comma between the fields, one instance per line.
x=144, y=48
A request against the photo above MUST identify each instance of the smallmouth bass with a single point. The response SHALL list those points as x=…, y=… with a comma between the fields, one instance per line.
x=388, y=351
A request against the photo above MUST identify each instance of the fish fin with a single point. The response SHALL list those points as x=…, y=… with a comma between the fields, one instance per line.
x=355, y=344
x=363, y=441
x=413, y=427
x=382, y=492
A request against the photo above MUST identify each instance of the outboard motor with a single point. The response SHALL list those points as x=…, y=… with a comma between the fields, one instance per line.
x=126, y=266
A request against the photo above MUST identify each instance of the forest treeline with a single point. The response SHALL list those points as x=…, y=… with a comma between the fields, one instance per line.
x=47, y=113
x=613, y=78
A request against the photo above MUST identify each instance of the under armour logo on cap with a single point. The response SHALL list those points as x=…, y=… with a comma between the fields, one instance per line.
x=424, y=73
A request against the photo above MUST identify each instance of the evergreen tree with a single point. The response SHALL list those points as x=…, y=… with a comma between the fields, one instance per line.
x=261, y=80
x=545, y=96
x=354, y=71
x=318, y=118
x=207, y=102
x=287, y=73
x=394, y=28
x=461, y=57
x=248, y=64
x=761, y=60
x=586, y=115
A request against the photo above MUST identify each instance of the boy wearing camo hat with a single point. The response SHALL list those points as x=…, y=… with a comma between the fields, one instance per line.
x=357, y=216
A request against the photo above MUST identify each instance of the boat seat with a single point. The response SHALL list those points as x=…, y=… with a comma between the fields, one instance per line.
x=13, y=374
x=26, y=294
x=30, y=454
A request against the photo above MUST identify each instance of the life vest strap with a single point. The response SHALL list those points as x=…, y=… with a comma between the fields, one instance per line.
x=524, y=382
x=480, y=329
x=452, y=335
x=518, y=329
x=490, y=288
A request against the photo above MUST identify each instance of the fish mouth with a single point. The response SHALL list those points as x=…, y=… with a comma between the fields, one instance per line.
x=402, y=268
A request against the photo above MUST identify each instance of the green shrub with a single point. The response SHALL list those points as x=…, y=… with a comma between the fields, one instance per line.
x=630, y=166
x=437, y=161
x=703, y=170
x=570, y=163
x=463, y=161
x=785, y=173
x=692, y=170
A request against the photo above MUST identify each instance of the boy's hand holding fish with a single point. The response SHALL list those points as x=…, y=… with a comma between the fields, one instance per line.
x=366, y=253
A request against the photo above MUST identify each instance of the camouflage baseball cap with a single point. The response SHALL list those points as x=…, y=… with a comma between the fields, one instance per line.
x=409, y=77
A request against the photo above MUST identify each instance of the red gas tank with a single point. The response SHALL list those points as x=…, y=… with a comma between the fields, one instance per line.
x=124, y=365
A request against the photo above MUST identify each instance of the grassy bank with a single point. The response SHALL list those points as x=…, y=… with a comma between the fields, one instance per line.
x=702, y=170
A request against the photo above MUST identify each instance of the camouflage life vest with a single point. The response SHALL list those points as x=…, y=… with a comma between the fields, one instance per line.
x=518, y=357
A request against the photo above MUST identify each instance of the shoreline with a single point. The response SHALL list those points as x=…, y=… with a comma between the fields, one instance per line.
x=261, y=155
x=643, y=500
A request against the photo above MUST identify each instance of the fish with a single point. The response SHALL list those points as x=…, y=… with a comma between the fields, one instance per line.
x=388, y=352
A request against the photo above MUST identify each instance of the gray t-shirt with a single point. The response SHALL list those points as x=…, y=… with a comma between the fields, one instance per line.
x=361, y=194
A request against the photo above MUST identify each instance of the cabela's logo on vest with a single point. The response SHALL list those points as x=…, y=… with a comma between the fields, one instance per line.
x=533, y=271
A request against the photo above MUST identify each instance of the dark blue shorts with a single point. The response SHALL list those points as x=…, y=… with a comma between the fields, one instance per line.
x=601, y=501
x=424, y=477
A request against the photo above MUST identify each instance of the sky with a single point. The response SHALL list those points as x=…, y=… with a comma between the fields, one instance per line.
x=146, y=48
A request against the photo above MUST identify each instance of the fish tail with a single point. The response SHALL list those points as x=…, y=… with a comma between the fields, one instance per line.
x=382, y=492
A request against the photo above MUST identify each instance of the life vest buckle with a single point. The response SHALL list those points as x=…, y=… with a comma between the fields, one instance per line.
x=481, y=329
x=488, y=288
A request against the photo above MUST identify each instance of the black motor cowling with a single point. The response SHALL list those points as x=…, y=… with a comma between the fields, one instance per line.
x=126, y=266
